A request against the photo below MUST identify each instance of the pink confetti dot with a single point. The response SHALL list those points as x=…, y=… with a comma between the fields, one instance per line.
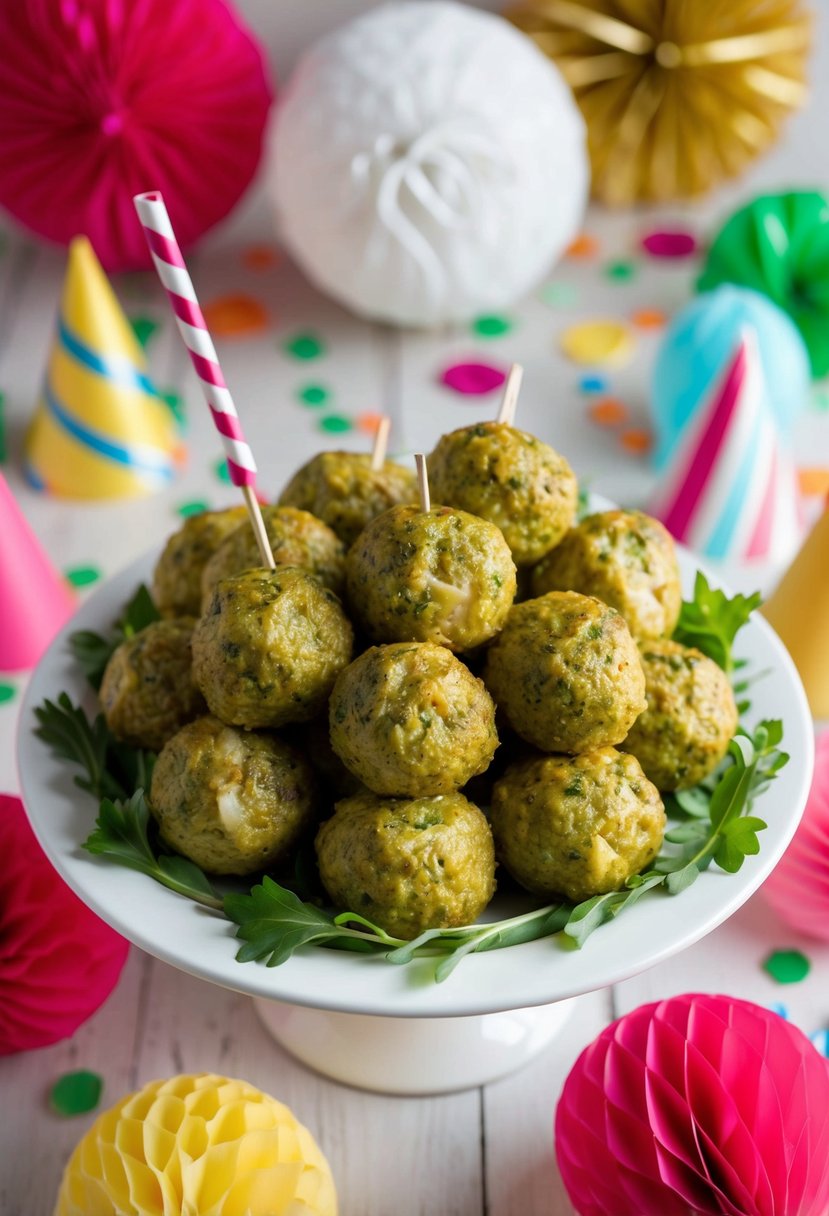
x=670, y=243
x=473, y=379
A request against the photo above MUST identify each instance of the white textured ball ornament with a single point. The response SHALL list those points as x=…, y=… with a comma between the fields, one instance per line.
x=428, y=163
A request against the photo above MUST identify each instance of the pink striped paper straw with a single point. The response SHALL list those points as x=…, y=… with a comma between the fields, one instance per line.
x=192, y=326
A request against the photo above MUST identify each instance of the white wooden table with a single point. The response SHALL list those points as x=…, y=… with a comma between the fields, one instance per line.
x=484, y=1152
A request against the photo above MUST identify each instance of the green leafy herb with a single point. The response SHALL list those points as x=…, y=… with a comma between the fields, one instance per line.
x=121, y=833
x=111, y=769
x=92, y=652
x=711, y=621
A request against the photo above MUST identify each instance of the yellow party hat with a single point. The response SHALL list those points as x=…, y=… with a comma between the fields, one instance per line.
x=799, y=613
x=101, y=429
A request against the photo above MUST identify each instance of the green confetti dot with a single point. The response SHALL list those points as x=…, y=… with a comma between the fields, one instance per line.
x=176, y=404
x=7, y=693
x=787, y=966
x=222, y=471
x=76, y=1093
x=313, y=394
x=82, y=576
x=820, y=399
x=192, y=508
x=335, y=424
x=559, y=295
x=304, y=346
x=143, y=328
x=621, y=272
x=491, y=326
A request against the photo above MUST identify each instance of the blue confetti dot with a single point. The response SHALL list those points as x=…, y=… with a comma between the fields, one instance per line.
x=820, y=1038
x=593, y=384
x=781, y=1009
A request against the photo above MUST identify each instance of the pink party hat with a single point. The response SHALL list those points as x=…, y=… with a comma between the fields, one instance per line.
x=35, y=600
x=731, y=489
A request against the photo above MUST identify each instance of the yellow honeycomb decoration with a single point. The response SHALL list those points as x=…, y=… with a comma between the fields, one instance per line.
x=198, y=1145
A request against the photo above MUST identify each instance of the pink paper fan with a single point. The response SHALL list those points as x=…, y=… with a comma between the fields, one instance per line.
x=703, y=1104
x=101, y=99
x=58, y=961
x=798, y=888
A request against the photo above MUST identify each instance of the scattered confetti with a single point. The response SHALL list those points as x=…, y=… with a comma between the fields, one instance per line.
x=195, y=507
x=820, y=1039
x=609, y=412
x=780, y=1009
x=670, y=243
x=335, y=424
x=597, y=342
x=7, y=693
x=261, y=257
x=222, y=471
x=235, y=316
x=83, y=576
x=593, y=384
x=491, y=326
x=649, y=318
x=637, y=441
x=304, y=347
x=559, y=295
x=620, y=272
x=76, y=1093
x=814, y=483
x=176, y=404
x=368, y=422
x=584, y=246
x=473, y=379
x=787, y=966
x=313, y=394
x=143, y=328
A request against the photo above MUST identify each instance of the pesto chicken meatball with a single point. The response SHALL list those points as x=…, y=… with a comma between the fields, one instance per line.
x=178, y=572
x=510, y=478
x=431, y=576
x=410, y=720
x=234, y=802
x=269, y=647
x=566, y=673
x=408, y=864
x=343, y=490
x=576, y=825
x=147, y=692
x=625, y=558
x=297, y=539
x=690, y=718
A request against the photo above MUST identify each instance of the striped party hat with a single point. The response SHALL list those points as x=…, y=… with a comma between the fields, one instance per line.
x=101, y=429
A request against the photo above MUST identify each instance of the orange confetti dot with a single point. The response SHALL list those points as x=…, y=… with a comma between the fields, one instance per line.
x=261, y=257
x=368, y=422
x=609, y=412
x=649, y=318
x=814, y=483
x=584, y=246
x=235, y=316
x=636, y=441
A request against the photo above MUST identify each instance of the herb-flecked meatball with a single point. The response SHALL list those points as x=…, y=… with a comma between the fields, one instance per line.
x=178, y=572
x=232, y=801
x=343, y=490
x=566, y=673
x=269, y=647
x=510, y=478
x=409, y=719
x=627, y=559
x=576, y=825
x=147, y=692
x=408, y=864
x=297, y=539
x=431, y=576
x=690, y=719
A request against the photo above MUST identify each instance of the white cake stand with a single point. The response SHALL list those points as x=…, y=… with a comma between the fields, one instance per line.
x=356, y=1017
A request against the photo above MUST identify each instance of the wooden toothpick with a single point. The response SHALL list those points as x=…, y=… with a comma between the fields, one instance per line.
x=381, y=442
x=258, y=525
x=506, y=413
x=423, y=482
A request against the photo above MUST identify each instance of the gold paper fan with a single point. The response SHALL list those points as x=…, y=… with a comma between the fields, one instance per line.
x=676, y=94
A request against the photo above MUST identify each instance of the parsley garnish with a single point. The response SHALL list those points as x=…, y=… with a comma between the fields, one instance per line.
x=711, y=621
x=92, y=652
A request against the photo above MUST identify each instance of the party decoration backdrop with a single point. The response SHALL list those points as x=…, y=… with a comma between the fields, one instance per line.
x=676, y=95
x=428, y=164
x=98, y=100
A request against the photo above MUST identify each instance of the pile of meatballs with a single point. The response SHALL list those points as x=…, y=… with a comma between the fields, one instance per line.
x=357, y=694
